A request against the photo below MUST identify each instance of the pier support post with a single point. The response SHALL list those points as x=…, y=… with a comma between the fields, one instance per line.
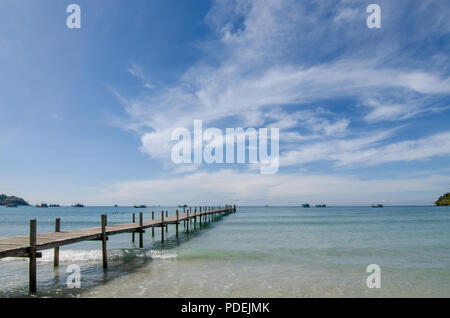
x=153, y=227
x=200, y=218
x=132, y=234
x=162, y=226
x=195, y=219
x=105, y=256
x=187, y=221
x=141, y=232
x=167, y=226
x=32, y=269
x=56, y=250
x=184, y=220
x=176, y=226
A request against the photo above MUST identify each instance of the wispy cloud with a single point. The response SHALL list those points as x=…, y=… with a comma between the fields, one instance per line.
x=249, y=188
x=280, y=63
x=138, y=72
x=365, y=152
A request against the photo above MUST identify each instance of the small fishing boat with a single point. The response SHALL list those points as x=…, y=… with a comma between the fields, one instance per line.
x=377, y=205
x=54, y=205
x=183, y=206
x=143, y=206
x=306, y=205
x=42, y=205
x=78, y=205
x=321, y=205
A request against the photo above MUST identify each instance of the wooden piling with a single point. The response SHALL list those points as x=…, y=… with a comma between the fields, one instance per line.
x=56, y=250
x=32, y=253
x=132, y=234
x=167, y=226
x=153, y=227
x=104, y=251
x=176, y=225
x=195, y=219
x=187, y=221
x=162, y=226
x=141, y=230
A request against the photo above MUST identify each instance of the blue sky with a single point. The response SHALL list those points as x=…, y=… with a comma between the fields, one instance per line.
x=86, y=114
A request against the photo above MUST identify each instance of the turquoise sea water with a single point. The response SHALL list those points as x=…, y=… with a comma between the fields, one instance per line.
x=256, y=252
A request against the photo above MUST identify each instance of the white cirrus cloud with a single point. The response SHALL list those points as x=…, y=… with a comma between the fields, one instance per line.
x=273, y=56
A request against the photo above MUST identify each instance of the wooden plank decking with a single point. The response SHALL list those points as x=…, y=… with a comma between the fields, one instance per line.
x=20, y=246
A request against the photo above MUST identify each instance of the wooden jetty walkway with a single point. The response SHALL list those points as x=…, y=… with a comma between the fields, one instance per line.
x=29, y=246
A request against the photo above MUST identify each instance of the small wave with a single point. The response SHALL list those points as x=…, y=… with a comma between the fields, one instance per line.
x=96, y=255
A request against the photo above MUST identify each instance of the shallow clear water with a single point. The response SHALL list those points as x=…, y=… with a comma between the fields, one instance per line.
x=256, y=252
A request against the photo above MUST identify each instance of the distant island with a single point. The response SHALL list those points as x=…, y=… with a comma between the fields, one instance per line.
x=12, y=200
x=443, y=200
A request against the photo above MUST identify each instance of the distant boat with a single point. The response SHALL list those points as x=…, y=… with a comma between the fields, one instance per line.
x=115, y=205
x=11, y=205
x=143, y=206
x=306, y=205
x=78, y=205
x=377, y=205
x=54, y=205
x=183, y=206
x=42, y=205
x=321, y=205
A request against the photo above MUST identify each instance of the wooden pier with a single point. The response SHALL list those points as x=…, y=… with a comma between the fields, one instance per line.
x=29, y=246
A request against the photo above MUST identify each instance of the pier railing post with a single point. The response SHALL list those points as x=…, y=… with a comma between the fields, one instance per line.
x=105, y=256
x=32, y=255
x=132, y=234
x=56, y=250
x=141, y=231
x=162, y=226
x=176, y=225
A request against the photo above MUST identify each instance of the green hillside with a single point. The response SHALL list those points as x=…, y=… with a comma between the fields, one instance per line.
x=443, y=200
x=5, y=200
